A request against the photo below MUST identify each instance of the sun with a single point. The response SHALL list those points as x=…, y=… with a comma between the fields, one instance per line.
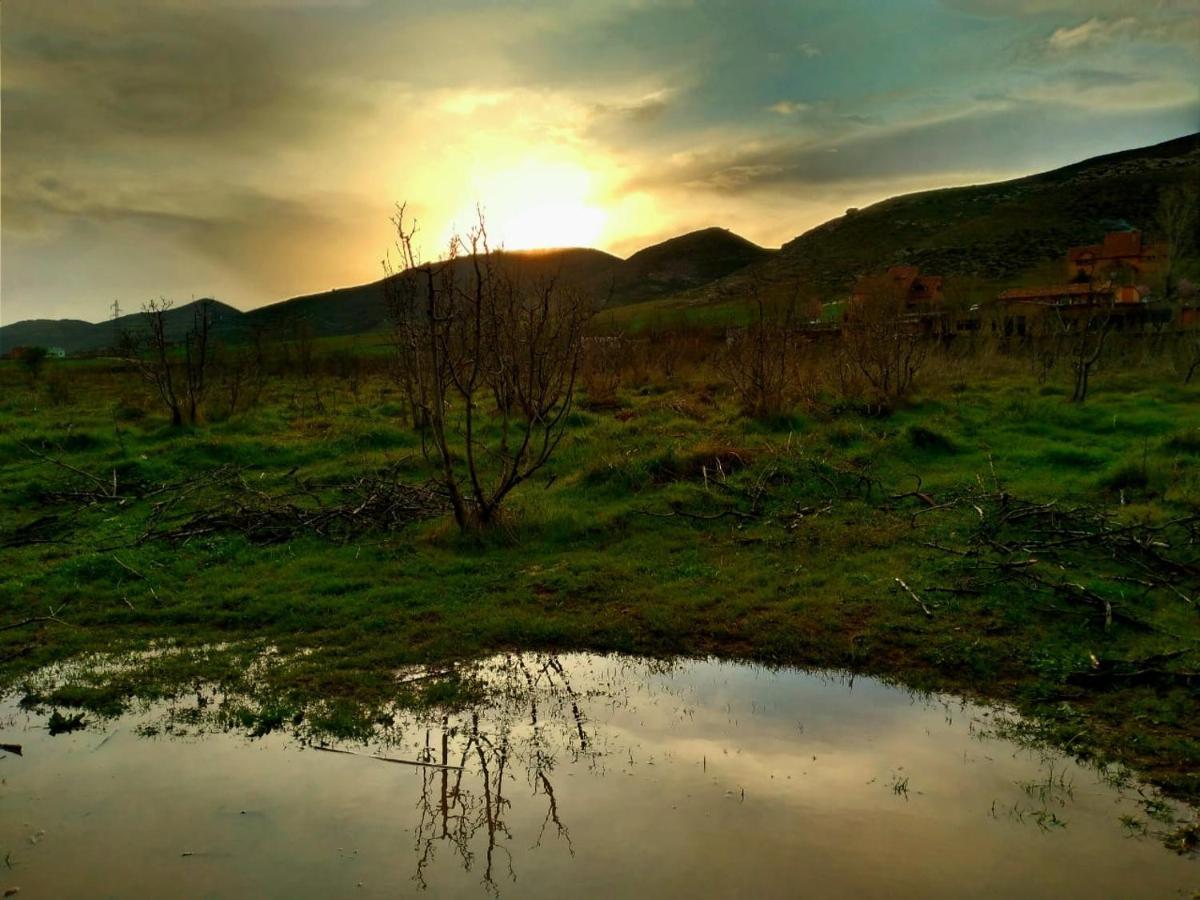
x=536, y=204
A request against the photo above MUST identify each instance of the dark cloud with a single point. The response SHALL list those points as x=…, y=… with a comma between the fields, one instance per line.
x=648, y=109
x=999, y=138
x=258, y=143
x=1086, y=79
x=129, y=75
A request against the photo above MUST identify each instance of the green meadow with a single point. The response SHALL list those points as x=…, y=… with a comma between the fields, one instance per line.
x=667, y=524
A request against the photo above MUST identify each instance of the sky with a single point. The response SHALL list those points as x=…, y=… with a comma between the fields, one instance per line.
x=253, y=150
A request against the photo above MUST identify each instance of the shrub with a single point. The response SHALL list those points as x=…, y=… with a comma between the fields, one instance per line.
x=1128, y=476
x=126, y=411
x=930, y=441
x=1187, y=441
x=1072, y=457
x=58, y=391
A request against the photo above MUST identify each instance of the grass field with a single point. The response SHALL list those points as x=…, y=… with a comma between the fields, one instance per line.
x=670, y=525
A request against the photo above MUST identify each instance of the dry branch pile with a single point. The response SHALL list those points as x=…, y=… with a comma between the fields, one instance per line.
x=1082, y=560
x=225, y=500
x=1042, y=547
x=335, y=512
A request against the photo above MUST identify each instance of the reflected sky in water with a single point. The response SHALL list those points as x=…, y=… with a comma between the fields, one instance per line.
x=583, y=776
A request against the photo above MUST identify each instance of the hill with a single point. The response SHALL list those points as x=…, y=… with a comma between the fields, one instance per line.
x=363, y=308
x=683, y=263
x=71, y=335
x=995, y=233
x=77, y=336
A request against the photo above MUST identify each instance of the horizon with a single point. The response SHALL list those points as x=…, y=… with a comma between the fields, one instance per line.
x=608, y=126
x=132, y=310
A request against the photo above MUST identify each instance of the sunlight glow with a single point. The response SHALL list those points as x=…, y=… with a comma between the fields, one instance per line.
x=535, y=204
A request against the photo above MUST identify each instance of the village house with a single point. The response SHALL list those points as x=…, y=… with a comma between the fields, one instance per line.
x=922, y=296
x=920, y=292
x=1126, y=305
x=1122, y=256
x=1111, y=275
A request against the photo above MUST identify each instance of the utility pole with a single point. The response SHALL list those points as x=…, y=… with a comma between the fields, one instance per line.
x=116, y=316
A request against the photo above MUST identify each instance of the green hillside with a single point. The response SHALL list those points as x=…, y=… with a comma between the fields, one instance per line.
x=683, y=263
x=76, y=336
x=994, y=232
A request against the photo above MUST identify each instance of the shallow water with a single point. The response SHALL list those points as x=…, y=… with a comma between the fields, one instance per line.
x=584, y=776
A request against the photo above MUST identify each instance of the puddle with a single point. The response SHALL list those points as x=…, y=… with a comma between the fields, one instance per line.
x=582, y=776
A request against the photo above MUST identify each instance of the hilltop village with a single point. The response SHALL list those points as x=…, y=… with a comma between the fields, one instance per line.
x=1110, y=284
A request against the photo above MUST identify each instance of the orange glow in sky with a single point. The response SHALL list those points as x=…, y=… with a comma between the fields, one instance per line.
x=537, y=204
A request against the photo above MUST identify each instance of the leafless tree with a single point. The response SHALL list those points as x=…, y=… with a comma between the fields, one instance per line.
x=1177, y=222
x=241, y=371
x=197, y=357
x=412, y=366
x=882, y=345
x=762, y=361
x=151, y=355
x=604, y=360
x=1085, y=334
x=33, y=359
x=466, y=329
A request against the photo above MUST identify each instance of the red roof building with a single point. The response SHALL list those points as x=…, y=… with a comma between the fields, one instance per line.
x=1075, y=294
x=1120, y=251
x=902, y=281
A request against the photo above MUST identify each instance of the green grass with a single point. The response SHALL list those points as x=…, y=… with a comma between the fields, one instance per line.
x=588, y=557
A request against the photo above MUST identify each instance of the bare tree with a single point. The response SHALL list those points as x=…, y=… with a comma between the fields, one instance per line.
x=1085, y=336
x=1177, y=221
x=197, y=356
x=605, y=357
x=880, y=344
x=151, y=354
x=412, y=367
x=762, y=361
x=466, y=329
x=33, y=359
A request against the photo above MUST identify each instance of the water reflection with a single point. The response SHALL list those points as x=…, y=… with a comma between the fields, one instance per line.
x=593, y=776
x=467, y=768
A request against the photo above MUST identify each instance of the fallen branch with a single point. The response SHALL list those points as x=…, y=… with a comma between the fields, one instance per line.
x=925, y=609
x=389, y=759
x=128, y=568
x=35, y=619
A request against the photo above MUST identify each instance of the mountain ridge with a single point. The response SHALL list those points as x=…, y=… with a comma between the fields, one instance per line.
x=995, y=233
x=681, y=262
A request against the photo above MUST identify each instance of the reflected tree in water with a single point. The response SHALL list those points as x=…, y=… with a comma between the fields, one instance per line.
x=472, y=766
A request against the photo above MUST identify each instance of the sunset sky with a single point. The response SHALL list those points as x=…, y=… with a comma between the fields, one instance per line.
x=252, y=150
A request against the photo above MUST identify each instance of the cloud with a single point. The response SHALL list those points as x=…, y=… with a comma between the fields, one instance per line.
x=258, y=144
x=1111, y=92
x=1000, y=139
x=1040, y=8
x=644, y=109
x=1092, y=33
x=788, y=107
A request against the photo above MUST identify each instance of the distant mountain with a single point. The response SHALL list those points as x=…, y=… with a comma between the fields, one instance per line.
x=72, y=335
x=75, y=336
x=994, y=232
x=684, y=262
x=355, y=310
